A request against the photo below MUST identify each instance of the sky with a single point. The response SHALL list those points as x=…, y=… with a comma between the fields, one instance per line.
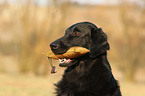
x=95, y=1
x=112, y=2
x=43, y=2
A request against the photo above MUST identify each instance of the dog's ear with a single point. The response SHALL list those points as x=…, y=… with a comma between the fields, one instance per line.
x=99, y=43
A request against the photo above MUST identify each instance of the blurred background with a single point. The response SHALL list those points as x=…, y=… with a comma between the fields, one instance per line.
x=27, y=27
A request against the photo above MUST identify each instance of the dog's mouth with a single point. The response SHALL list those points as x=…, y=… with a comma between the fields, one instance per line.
x=67, y=62
x=70, y=62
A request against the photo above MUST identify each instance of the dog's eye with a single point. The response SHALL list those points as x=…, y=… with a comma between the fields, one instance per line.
x=76, y=34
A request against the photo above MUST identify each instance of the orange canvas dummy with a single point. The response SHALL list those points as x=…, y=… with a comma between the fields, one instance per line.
x=73, y=52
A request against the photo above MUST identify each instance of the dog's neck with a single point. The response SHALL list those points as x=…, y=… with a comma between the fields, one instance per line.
x=94, y=76
x=100, y=61
x=84, y=64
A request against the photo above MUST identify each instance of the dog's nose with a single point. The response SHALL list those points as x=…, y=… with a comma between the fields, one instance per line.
x=53, y=46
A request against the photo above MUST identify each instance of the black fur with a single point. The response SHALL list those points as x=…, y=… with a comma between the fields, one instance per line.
x=91, y=75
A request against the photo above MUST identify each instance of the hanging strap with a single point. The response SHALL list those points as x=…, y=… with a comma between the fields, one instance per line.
x=52, y=67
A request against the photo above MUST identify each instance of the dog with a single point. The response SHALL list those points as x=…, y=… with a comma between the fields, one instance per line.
x=90, y=74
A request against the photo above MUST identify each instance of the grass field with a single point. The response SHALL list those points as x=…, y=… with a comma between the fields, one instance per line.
x=23, y=85
x=29, y=85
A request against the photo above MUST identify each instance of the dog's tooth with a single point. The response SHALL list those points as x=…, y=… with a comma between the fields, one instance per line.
x=60, y=60
x=64, y=59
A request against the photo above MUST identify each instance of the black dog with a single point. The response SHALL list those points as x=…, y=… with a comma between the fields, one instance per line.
x=88, y=75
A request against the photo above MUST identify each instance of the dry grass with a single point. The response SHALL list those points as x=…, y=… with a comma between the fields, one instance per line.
x=24, y=85
x=26, y=32
x=132, y=89
x=32, y=28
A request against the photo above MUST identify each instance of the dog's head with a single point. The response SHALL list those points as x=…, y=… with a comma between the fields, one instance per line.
x=83, y=34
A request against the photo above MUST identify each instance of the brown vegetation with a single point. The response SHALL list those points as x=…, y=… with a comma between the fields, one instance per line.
x=27, y=30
